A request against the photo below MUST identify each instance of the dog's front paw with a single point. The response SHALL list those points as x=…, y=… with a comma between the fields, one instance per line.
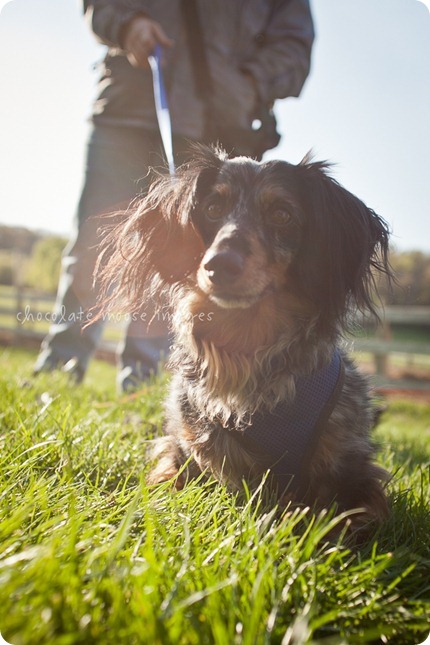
x=166, y=464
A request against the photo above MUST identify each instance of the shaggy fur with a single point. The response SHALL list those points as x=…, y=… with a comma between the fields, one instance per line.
x=261, y=264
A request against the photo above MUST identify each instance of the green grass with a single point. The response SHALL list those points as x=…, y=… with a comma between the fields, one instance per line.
x=90, y=554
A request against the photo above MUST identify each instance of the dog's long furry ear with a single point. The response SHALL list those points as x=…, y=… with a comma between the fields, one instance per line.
x=157, y=244
x=345, y=245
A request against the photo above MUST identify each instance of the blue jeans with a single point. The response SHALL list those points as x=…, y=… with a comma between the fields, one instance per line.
x=116, y=172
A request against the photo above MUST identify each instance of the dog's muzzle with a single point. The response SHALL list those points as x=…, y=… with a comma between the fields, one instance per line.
x=234, y=270
x=223, y=267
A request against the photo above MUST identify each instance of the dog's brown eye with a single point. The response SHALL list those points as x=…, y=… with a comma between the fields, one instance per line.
x=279, y=217
x=214, y=212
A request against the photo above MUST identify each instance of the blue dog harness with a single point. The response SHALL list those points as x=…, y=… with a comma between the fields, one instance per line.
x=288, y=433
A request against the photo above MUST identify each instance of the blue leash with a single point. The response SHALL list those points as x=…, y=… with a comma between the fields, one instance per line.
x=162, y=107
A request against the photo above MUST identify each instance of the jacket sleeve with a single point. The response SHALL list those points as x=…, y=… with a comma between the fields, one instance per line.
x=281, y=62
x=107, y=18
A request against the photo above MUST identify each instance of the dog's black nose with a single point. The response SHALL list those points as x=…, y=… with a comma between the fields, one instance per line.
x=223, y=267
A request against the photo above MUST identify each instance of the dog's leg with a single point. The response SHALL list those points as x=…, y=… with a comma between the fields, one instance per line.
x=165, y=454
x=172, y=463
x=368, y=493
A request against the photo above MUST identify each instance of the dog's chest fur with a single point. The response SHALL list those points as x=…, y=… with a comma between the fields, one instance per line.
x=215, y=392
x=243, y=361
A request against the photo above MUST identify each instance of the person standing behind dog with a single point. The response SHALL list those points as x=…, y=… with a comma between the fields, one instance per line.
x=254, y=53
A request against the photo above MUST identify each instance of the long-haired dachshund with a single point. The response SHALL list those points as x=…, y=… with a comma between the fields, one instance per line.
x=261, y=264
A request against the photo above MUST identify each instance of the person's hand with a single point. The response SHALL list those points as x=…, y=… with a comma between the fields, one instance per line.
x=140, y=38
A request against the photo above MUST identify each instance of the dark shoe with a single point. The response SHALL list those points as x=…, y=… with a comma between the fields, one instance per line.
x=141, y=359
x=47, y=364
x=129, y=381
x=74, y=371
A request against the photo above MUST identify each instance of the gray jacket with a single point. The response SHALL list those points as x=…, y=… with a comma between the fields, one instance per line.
x=269, y=39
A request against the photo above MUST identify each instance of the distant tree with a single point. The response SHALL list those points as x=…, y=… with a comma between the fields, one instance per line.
x=43, y=268
x=6, y=268
x=18, y=238
x=412, y=279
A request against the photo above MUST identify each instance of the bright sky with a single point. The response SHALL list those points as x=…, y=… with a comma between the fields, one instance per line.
x=366, y=107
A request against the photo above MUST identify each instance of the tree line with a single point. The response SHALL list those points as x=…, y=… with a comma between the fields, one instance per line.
x=30, y=258
x=411, y=285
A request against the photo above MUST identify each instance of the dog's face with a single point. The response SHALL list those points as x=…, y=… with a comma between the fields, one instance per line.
x=251, y=224
x=239, y=230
